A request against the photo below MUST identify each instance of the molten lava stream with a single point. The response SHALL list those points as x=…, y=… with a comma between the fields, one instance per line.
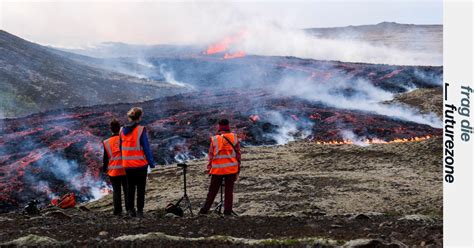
x=239, y=54
x=373, y=141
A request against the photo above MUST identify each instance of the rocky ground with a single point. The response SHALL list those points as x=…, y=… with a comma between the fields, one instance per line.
x=297, y=195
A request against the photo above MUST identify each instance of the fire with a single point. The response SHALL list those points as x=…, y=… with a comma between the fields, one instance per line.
x=220, y=47
x=224, y=45
x=374, y=141
x=239, y=54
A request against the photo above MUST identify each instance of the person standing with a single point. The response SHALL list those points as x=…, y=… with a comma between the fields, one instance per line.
x=223, y=166
x=113, y=167
x=136, y=156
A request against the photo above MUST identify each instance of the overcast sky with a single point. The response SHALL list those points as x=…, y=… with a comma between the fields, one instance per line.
x=76, y=24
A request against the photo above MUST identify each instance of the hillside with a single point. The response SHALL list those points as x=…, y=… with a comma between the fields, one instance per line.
x=402, y=36
x=427, y=100
x=306, y=179
x=35, y=79
x=293, y=195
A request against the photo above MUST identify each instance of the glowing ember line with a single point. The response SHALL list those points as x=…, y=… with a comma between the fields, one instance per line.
x=373, y=141
x=239, y=54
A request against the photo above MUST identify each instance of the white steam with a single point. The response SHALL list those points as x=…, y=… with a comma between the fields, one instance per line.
x=56, y=168
x=145, y=63
x=348, y=135
x=272, y=40
x=179, y=148
x=353, y=95
x=43, y=186
x=69, y=172
x=288, y=129
x=169, y=77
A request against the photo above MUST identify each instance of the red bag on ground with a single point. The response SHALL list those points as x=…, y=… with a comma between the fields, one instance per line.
x=66, y=201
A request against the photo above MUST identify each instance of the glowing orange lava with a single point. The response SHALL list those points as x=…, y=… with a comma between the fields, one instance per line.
x=220, y=46
x=239, y=54
x=374, y=141
x=223, y=46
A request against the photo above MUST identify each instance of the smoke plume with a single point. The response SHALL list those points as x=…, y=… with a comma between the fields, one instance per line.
x=357, y=94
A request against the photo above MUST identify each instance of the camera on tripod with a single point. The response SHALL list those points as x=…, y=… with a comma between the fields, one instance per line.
x=176, y=208
x=183, y=165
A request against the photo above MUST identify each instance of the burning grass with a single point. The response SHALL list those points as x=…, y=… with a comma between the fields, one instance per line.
x=372, y=141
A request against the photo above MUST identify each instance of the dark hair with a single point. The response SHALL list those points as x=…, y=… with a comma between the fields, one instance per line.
x=224, y=122
x=114, y=126
x=135, y=113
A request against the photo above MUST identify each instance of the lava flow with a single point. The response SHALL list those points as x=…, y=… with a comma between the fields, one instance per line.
x=372, y=141
x=48, y=154
x=234, y=55
x=224, y=45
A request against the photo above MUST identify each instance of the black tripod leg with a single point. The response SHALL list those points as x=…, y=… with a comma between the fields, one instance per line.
x=188, y=203
x=179, y=201
x=190, y=209
x=220, y=205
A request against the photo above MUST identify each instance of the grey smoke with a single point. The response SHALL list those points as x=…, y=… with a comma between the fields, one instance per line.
x=361, y=95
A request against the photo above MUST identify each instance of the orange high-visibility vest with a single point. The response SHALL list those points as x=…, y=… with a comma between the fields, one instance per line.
x=224, y=161
x=133, y=155
x=112, y=147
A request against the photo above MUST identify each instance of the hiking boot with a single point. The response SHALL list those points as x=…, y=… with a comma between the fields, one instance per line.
x=140, y=214
x=229, y=213
x=202, y=212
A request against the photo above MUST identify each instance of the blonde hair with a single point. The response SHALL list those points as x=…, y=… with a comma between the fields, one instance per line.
x=135, y=113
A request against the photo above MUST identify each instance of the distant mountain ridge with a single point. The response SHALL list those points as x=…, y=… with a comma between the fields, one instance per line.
x=34, y=78
x=415, y=37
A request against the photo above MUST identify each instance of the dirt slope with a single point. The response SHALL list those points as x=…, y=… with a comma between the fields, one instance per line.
x=303, y=179
x=295, y=195
x=426, y=100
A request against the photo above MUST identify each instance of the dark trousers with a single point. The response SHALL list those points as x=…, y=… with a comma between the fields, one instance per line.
x=216, y=181
x=119, y=183
x=136, y=179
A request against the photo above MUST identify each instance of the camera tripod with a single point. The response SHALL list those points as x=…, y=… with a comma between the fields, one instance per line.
x=185, y=198
x=220, y=205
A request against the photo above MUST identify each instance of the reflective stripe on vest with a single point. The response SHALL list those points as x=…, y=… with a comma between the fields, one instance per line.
x=133, y=155
x=112, y=148
x=224, y=160
x=224, y=165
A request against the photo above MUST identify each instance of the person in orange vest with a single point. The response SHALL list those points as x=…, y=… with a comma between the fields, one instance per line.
x=224, y=164
x=136, y=157
x=113, y=167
